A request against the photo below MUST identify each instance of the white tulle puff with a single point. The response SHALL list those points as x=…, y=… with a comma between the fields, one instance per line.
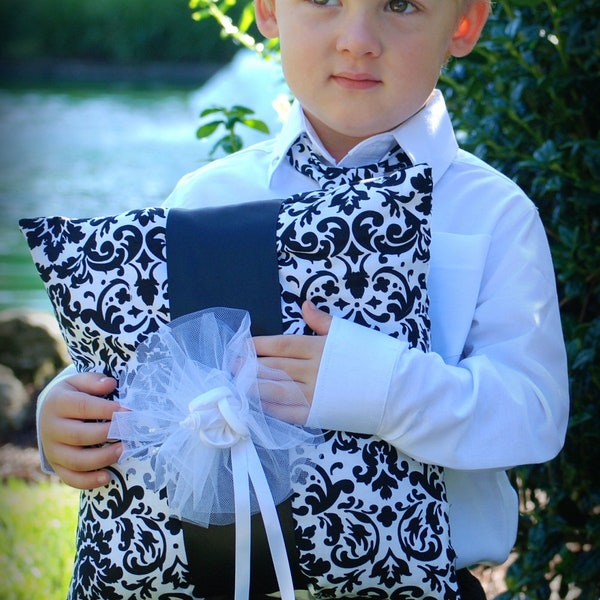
x=192, y=391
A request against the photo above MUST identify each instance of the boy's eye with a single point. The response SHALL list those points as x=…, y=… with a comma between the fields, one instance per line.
x=401, y=6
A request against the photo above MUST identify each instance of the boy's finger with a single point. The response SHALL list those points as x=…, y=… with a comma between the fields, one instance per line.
x=96, y=384
x=85, y=460
x=83, y=481
x=78, y=405
x=288, y=346
x=318, y=320
x=76, y=433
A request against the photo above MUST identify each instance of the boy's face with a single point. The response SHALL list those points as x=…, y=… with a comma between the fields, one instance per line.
x=361, y=67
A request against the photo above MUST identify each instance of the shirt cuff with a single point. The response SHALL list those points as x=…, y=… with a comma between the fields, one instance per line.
x=354, y=378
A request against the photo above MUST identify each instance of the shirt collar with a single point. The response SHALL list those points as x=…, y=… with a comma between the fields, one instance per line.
x=427, y=137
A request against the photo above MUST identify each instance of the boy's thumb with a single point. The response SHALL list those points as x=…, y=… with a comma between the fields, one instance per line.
x=315, y=318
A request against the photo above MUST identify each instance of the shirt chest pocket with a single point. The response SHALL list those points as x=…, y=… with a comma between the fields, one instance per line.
x=455, y=274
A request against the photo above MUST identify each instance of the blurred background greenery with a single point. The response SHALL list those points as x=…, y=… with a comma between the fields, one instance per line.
x=115, y=31
x=37, y=534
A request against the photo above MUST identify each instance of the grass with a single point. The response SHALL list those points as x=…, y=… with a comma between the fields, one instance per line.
x=37, y=539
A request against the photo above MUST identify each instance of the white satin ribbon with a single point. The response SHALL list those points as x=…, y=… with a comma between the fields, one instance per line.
x=215, y=420
x=217, y=423
x=194, y=407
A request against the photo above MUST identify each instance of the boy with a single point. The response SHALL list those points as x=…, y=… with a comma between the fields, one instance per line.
x=492, y=393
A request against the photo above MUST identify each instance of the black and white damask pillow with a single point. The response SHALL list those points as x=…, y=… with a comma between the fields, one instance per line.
x=368, y=521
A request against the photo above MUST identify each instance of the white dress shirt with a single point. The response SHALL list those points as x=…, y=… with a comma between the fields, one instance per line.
x=493, y=392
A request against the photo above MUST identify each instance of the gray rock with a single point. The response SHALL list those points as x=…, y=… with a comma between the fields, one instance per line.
x=31, y=345
x=15, y=403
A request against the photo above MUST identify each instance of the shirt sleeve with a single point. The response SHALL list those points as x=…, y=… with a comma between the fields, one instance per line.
x=503, y=403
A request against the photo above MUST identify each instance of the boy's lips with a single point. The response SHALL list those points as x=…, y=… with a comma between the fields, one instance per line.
x=356, y=81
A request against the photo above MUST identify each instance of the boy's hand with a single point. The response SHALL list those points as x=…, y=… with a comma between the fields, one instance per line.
x=297, y=355
x=70, y=434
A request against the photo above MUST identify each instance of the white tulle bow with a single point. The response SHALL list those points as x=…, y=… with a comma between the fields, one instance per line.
x=194, y=409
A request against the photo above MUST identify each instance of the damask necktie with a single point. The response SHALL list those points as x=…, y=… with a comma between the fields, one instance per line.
x=309, y=162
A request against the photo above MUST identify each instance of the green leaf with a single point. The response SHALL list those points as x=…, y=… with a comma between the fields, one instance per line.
x=240, y=111
x=247, y=18
x=256, y=124
x=207, y=129
x=212, y=110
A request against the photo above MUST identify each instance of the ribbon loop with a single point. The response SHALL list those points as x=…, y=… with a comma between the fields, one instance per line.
x=215, y=420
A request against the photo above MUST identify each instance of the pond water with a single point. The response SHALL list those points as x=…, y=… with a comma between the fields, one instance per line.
x=81, y=152
x=89, y=151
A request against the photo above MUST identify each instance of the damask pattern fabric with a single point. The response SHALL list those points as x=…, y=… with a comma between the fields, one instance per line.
x=302, y=156
x=107, y=280
x=370, y=521
x=378, y=519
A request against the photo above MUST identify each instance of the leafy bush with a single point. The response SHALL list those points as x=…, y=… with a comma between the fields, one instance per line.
x=526, y=102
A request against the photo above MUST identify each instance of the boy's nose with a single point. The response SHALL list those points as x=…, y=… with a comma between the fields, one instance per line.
x=358, y=36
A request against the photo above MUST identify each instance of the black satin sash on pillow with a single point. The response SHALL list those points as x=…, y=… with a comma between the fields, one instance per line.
x=227, y=257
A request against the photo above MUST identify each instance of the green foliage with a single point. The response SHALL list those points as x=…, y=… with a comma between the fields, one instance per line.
x=37, y=539
x=526, y=102
x=230, y=118
x=238, y=32
x=118, y=31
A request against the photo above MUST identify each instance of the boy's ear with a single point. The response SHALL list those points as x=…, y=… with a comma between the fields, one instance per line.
x=266, y=18
x=470, y=26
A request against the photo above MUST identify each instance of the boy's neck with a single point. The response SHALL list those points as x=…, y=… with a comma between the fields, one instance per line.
x=362, y=152
x=337, y=146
